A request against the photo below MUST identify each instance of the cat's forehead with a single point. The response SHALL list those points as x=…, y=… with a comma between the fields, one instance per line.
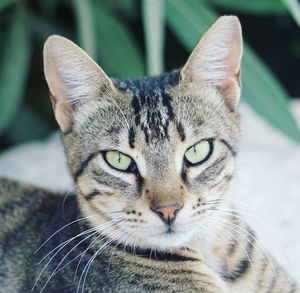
x=152, y=113
x=149, y=84
x=151, y=110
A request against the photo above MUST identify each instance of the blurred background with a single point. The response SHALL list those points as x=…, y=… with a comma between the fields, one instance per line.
x=132, y=38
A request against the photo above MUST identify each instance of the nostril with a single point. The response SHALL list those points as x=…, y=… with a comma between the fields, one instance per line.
x=167, y=212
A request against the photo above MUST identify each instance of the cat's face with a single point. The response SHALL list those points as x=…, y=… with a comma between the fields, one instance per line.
x=151, y=158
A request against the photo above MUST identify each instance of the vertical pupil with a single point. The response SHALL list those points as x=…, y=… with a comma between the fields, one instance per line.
x=119, y=157
x=194, y=147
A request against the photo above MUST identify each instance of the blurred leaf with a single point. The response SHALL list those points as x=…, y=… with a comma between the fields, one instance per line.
x=43, y=27
x=86, y=32
x=251, y=6
x=47, y=7
x=153, y=19
x=190, y=19
x=5, y=3
x=28, y=126
x=14, y=66
x=265, y=95
x=116, y=47
x=293, y=7
x=294, y=48
x=124, y=7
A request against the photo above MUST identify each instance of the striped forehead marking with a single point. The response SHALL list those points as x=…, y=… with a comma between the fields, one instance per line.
x=152, y=105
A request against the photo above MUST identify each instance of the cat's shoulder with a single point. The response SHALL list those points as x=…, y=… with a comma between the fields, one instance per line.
x=21, y=202
x=12, y=191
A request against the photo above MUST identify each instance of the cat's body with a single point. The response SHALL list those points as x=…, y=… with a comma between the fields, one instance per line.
x=31, y=216
x=152, y=160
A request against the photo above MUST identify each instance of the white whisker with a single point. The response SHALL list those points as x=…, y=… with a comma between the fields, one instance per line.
x=117, y=244
x=65, y=226
x=95, y=242
x=65, y=198
x=61, y=246
x=227, y=224
x=87, y=266
x=54, y=271
x=260, y=246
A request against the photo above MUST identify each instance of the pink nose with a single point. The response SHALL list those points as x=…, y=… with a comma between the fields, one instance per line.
x=167, y=212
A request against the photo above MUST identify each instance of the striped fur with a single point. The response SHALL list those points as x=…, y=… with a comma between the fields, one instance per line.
x=110, y=237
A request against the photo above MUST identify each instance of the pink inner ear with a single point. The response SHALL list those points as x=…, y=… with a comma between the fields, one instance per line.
x=237, y=76
x=233, y=58
x=57, y=86
x=230, y=91
x=63, y=113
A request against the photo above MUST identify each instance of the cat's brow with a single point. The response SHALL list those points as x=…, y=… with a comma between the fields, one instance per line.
x=131, y=137
x=181, y=131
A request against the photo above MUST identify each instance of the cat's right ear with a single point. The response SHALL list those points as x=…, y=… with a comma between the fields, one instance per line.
x=216, y=60
x=73, y=78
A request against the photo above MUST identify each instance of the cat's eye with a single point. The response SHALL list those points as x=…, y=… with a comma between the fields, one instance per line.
x=199, y=152
x=118, y=160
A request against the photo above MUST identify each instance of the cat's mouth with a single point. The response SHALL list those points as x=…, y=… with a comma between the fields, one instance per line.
x=169, y=231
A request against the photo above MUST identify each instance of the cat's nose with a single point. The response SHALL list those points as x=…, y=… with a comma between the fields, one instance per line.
x=167, y=212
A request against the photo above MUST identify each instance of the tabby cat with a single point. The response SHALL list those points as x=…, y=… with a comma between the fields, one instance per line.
x=152, y=159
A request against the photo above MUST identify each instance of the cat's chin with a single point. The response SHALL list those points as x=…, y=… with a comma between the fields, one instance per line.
x=167, y=240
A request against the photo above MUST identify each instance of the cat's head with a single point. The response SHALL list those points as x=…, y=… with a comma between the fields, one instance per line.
x=152, y=157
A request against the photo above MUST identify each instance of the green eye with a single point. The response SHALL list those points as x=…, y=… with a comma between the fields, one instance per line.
x=118, y=160
x=199, y=152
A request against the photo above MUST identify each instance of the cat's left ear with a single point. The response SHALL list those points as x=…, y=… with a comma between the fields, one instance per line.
x=216, y=60
x=74, y=79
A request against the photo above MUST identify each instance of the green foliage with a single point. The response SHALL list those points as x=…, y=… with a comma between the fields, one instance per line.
x=14, y=67
x=110, y=31
x=6, y=3
x=293, y=7
x=153, y=17
x=116, y=48
x=85, y=21
x=252, y=6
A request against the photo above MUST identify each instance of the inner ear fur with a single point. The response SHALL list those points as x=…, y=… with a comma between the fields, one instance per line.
x=73, y=78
